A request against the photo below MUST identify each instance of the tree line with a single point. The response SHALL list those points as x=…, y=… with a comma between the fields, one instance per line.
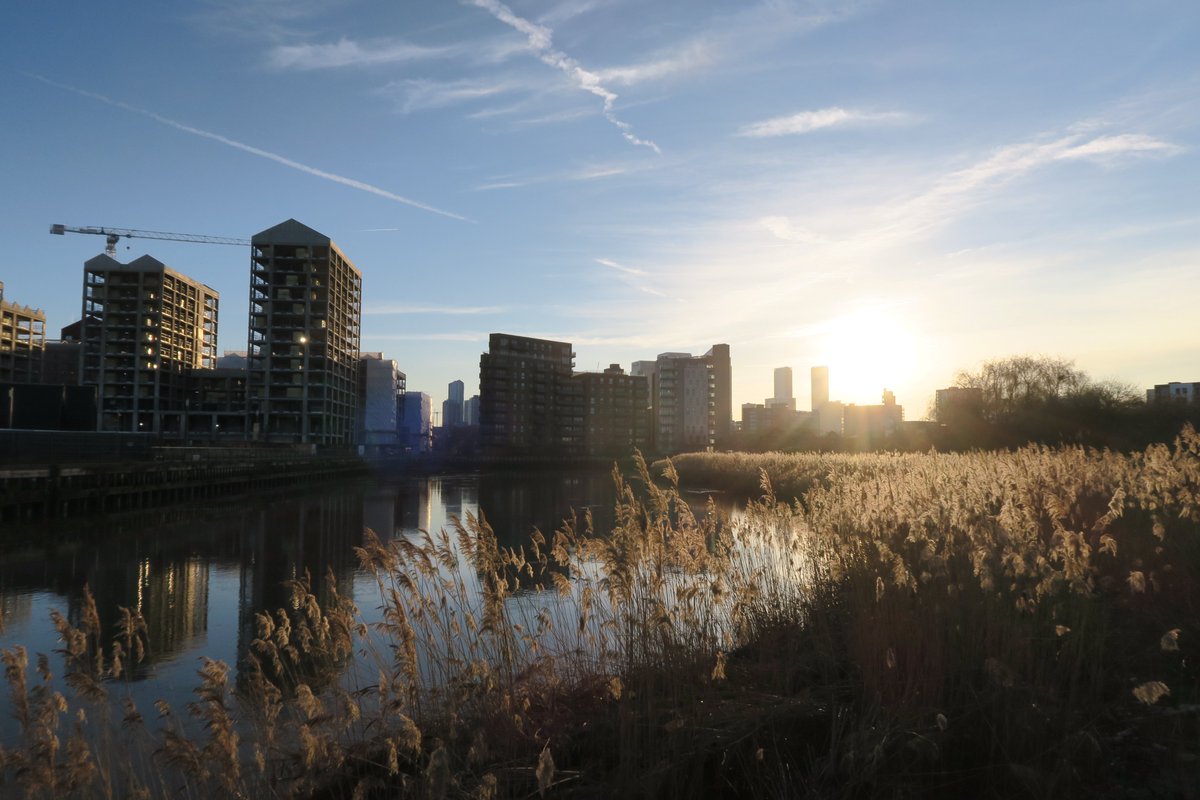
x=1048, y=400
x=1007, y=403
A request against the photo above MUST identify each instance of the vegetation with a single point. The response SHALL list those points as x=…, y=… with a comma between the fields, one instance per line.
x=1007, y=403
x=1000, y=625
x=1048, y=400
x=1014, y=386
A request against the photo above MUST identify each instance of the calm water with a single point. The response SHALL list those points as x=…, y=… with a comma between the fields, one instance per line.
x=199, y=574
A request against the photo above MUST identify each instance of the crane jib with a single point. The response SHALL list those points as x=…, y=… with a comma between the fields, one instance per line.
x=113, y=235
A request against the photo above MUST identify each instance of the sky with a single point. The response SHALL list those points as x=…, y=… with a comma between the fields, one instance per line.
x=898, y=190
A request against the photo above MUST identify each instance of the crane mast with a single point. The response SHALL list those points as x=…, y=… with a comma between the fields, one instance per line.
x=114, y=235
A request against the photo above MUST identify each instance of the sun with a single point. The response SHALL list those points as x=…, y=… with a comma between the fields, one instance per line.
x=866, y=351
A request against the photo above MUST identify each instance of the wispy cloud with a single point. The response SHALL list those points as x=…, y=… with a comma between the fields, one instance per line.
x=588, y=173
x=631, y=276
x=264, y=20
x=446, y=310
x=809, y=121
x=782, y=228
x=349, y=53
x=620, y=267
x=556, y=117
x=417, y=94
x=216, y=137
x=540, y=40
x=1128, y=144
x=1012, y=161
x=569, y=10
x=689, y=59
x=914, y=213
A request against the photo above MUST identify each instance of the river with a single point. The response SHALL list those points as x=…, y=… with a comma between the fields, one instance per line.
x=198, y=574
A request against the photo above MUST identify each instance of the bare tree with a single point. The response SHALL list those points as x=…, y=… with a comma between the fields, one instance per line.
x=1021, y=384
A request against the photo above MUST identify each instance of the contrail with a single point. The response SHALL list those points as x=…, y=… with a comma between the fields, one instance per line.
x=539, y=38
x=287, y=162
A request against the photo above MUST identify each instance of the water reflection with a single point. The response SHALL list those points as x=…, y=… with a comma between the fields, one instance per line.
x=311, y=536
x=199, y=575
x=515, y=506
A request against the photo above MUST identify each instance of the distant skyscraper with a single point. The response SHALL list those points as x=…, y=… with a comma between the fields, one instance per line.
x=783, y=389
x=305, y=312
x=471, y=411
x=783, y=383
x=144, y=327
x=416, y=421
x=820, y=387
x=453, y=406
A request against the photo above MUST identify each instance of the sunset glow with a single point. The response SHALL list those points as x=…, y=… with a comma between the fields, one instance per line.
x=878, y=186
x=866, y=351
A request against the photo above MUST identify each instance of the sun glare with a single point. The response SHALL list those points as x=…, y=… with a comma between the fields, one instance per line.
x=867, y=351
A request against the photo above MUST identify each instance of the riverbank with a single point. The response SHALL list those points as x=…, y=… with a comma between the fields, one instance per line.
x=178, y=476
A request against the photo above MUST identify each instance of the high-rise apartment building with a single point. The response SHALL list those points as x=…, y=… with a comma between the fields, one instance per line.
x=722, y=368
x=144, y=327
x=381, y=385
x=415, y=410
x=215, y=405
x=22, y=340
x=616, y=412
x=305, y=313
x=453, y=408
x=528, y=402
x=691, y=399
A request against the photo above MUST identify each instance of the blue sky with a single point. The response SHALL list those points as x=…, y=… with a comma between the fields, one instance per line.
x=897, y=190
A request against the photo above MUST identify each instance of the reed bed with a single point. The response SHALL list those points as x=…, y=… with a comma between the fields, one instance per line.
x=994, y=624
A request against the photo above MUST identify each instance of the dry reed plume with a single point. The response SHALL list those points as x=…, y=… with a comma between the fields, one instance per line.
x=1006, y=624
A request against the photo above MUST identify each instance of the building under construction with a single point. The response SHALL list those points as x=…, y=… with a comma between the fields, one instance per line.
x=305, y=312
x=22, y=339
x=145, y=326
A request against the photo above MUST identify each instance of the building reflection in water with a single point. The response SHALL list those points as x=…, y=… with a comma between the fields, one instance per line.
x=199, y=575
x=168, y=585
x=173, y=599
x=379, y=512
x=414, y=504
x=515, y=504
x=313, y=536
x=14, y=608
x=129, y=563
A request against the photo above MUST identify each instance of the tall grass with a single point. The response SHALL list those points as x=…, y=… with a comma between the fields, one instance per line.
x=1012, y=624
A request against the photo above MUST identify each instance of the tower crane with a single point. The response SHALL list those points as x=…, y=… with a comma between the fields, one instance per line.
x=114, y=235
